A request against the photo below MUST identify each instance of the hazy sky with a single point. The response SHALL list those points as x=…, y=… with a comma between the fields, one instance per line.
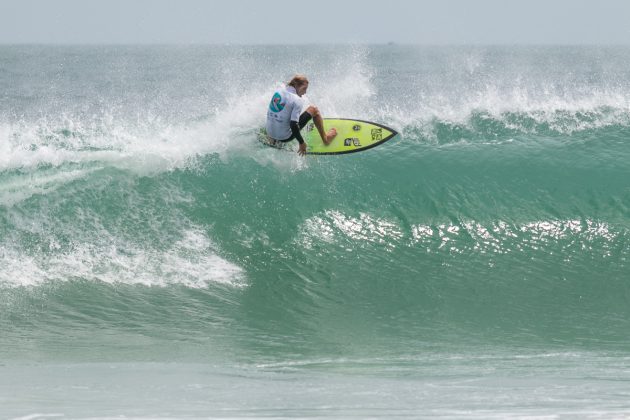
x=312, y=21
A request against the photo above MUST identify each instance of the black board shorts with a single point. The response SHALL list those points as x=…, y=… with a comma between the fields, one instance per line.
x=305, y=117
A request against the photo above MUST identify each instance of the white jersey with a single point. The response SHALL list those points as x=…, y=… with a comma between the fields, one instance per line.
x=285, y=106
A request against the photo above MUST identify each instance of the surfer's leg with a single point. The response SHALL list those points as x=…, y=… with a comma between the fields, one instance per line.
x=319, y=123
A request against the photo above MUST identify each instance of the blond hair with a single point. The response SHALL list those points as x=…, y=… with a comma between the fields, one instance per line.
x=298, y=80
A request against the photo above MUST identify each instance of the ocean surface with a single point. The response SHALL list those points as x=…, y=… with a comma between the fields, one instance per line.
x=156, y=261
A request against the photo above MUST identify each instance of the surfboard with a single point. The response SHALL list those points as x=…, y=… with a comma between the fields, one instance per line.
x=352, y=136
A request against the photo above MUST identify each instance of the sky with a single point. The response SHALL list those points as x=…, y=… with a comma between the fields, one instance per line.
x=435, y=22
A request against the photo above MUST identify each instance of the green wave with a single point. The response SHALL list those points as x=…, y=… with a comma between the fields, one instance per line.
x=416, y=244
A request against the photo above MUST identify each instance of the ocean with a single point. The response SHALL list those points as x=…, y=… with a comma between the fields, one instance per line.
x=156, y=261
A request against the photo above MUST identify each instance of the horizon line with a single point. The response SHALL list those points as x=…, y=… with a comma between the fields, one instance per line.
x=386, y=43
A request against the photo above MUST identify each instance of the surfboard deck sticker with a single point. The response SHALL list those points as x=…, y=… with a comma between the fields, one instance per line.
x=352, y=136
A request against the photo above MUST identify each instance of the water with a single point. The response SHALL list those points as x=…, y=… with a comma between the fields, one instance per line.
x=157, y=262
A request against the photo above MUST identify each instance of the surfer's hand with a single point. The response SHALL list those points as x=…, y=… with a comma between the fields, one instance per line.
x=302, y=149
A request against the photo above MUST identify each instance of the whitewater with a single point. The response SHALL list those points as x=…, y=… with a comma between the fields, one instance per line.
x=156, y=261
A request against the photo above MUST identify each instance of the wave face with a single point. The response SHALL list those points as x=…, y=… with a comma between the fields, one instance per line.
x=140, y=218
x=501, y=210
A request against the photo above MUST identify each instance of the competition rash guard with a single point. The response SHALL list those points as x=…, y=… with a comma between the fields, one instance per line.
x=283, y=115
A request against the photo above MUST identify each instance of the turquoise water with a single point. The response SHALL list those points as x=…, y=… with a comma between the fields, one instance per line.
x=156, y=261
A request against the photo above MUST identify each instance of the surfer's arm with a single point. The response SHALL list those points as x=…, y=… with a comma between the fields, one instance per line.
x=295, y=130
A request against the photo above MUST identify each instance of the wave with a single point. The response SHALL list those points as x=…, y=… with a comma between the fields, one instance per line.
x=151, y=146
x=482, y=127
x=501, y=210
x=516, y=183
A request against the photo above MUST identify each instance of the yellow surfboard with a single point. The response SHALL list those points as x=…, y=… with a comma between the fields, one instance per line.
x=352, y=136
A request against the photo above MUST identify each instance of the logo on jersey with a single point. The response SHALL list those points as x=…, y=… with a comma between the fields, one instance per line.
x=276, y=104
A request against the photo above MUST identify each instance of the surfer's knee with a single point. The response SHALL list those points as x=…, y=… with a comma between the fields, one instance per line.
x=313, y=110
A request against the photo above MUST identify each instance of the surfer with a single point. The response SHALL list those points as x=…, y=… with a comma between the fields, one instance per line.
x=285, y=118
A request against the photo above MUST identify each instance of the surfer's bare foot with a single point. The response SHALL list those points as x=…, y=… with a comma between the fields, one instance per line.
x=330, y=135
